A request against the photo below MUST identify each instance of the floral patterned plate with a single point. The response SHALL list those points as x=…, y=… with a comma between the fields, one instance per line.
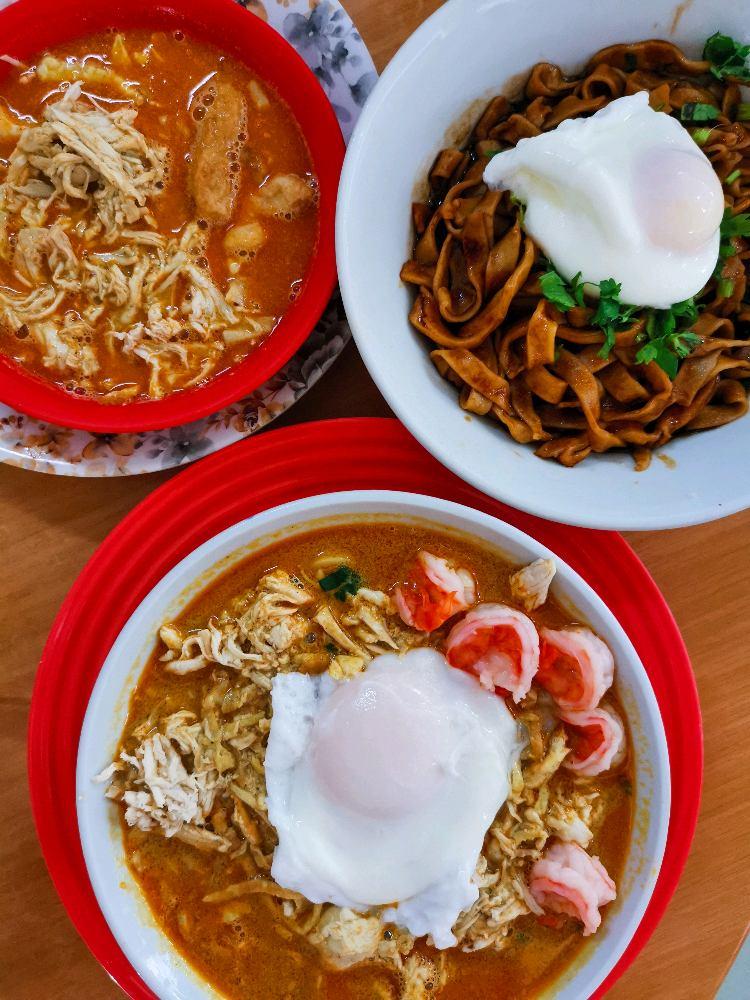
x=325, y=37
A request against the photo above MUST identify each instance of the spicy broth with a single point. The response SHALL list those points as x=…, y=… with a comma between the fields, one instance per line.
x=171, y=73
x=253, y=953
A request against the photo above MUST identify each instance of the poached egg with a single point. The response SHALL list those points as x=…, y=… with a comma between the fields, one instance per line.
x=625, y=194
x=381, y=788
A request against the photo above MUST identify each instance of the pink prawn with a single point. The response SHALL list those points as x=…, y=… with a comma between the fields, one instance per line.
x=498, y=644
x=568, y=880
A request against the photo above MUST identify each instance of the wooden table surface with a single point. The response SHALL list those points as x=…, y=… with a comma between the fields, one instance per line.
x=50, y=526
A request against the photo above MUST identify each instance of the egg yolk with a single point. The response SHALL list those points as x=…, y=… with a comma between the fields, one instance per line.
x=377, y=751
x=678, y=197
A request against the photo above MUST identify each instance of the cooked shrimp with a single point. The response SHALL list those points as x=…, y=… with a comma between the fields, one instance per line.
x=568, y=880
x=500, y=645
x=434, y=592
x=596, y=739
x=575, y=666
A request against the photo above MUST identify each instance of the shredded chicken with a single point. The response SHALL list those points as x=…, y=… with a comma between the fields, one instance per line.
x=97, y=174
x=543, y=803
x=530, y=585
x=84, y=156
x=256, y=634
x=45, y=253
x=346, y=938
x=173, y=778
x=200, y=777
x=367, y=627
x=132, y=288
x=164, y=794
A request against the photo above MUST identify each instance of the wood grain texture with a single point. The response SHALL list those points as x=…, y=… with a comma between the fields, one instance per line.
x=50, y=526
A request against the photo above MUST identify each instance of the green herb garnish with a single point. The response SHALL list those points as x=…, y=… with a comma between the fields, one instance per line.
x=331, y=648
x=626, y=785
x=743, y=112
x=734, y=225
x=611, y=314
x=521, y=937
x=701, y=135
x=731, y=226
x=342, y=582
x=556, y=290
x=731, y=178
x=727, y=57
x=666, y=345
x=693, y=111
x=664, y=342
x=489, y=153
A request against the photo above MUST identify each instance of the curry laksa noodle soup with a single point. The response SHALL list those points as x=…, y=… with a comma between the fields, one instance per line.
x=377, y=760
x=158, y=213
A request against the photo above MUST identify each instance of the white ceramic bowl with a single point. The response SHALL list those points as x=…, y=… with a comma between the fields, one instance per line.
x=465, y=53
x=150, y=952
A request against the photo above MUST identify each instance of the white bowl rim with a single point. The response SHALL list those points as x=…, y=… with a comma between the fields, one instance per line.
x=312, y=510
x=682, y=511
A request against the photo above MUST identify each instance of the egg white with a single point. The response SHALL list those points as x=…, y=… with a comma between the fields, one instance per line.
x=381, y=788
x=625, y=194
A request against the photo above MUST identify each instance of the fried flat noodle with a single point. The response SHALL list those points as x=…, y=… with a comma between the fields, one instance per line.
x=510, y=353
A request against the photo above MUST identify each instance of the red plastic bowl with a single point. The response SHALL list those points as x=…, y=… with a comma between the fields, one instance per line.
x=30, y=26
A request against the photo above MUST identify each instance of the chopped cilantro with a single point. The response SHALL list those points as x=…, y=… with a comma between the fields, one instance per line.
x=743, y=112
x=693, y=111
x=576, y=287
x=662, y=341
x=734, y=225
x=342, y=582
x=727, y=57
x=611, y=314
x=489, y=153
x=521, y=937
x=731, y=178
x=559, y=293
x=701, y=135
x=665, y=344
x=331, y=648
x=731, y=226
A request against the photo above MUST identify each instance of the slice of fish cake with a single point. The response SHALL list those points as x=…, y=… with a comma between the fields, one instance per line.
x=214, y=174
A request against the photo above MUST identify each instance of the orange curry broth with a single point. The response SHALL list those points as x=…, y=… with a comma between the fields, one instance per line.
x=177, y=67
x=255, y=953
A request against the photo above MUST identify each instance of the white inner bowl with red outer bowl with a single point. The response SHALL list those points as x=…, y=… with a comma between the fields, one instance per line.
x=429, y=96
x=146, y=947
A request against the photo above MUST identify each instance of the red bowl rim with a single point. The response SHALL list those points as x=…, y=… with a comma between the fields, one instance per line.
x=30, y=26
x=344, y=454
